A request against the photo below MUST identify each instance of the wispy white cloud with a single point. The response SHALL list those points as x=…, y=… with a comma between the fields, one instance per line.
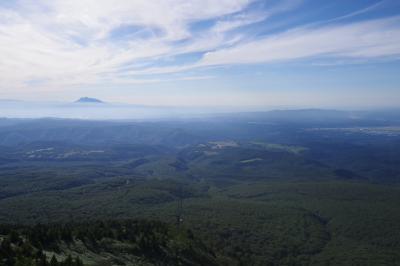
x=69, y=42
x=356, y=13
x=370, y=39
x=361, y=41
x=79, y=42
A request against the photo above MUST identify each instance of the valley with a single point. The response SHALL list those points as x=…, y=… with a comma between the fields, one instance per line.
x=265, y=194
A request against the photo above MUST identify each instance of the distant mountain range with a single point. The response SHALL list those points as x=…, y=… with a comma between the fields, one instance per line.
x=88, y=100
x=93, y=108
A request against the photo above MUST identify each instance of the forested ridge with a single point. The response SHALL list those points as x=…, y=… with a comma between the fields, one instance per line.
x=117, y=242
x=254, y=191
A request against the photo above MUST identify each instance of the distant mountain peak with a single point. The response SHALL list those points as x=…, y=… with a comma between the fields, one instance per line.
x=88, y=100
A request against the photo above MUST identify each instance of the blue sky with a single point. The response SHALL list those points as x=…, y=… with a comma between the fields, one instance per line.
x=237, y=53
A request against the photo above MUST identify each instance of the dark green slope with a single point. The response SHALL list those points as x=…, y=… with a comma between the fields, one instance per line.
x=127, y=242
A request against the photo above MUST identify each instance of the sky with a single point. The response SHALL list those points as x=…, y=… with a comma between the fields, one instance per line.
x=233, y=53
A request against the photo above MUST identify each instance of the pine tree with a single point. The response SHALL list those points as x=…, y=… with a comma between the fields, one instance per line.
x=53, y=261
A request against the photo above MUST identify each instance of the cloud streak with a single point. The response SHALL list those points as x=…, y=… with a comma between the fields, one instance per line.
x=70, y=40
x=371, y=39
x=87, y=42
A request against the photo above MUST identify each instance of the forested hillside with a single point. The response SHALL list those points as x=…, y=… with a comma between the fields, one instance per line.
x=126, y=242
x=275, y=189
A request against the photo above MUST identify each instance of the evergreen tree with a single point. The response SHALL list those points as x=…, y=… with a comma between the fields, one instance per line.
x=53, y=261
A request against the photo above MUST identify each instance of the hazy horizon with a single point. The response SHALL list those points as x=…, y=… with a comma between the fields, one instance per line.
x=124, y=111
